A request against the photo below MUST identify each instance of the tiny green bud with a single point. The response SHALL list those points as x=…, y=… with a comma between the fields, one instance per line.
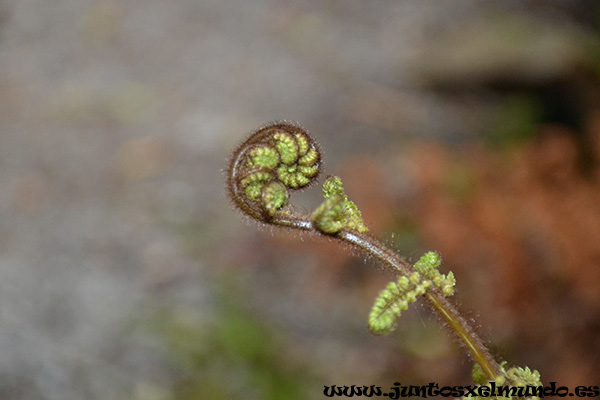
x=478, y=375
x=327, y=217
x=333, y=186
x=263, y=157
x=287, y=147
x=350, y=214
x=274, y=196
x=254, y=182
x=428, y=262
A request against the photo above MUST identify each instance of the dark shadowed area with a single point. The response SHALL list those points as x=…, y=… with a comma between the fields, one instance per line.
x=471, y=128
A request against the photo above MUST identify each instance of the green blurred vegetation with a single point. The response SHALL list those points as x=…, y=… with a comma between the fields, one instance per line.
x=233, y=355
x=514, y=120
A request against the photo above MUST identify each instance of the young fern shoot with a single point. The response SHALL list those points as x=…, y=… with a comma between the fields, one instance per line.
x=282, y=157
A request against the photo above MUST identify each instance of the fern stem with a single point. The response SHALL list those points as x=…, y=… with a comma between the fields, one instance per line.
x=465, y=333
x=400, y=266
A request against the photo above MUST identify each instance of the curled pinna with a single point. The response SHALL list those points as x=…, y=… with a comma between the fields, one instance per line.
x=274, y=160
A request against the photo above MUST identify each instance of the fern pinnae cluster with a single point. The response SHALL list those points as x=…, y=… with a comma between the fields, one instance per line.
x=337, y=212
x=396, y=297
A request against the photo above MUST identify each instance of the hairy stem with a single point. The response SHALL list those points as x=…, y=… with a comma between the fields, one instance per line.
x=466, y=334
x=459, y=325
x=399, y=266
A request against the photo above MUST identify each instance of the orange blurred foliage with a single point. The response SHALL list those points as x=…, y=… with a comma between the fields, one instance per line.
x=524, y=226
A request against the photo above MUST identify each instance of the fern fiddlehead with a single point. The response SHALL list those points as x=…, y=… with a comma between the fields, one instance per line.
x=272, y=161
x=282, y=157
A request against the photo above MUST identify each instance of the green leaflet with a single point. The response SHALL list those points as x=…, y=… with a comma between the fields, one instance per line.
x=396, y=297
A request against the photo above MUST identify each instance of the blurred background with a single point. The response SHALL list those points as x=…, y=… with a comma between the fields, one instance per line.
x=471, y=128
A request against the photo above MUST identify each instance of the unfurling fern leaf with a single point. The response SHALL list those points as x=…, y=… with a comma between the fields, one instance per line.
x=281, y=158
